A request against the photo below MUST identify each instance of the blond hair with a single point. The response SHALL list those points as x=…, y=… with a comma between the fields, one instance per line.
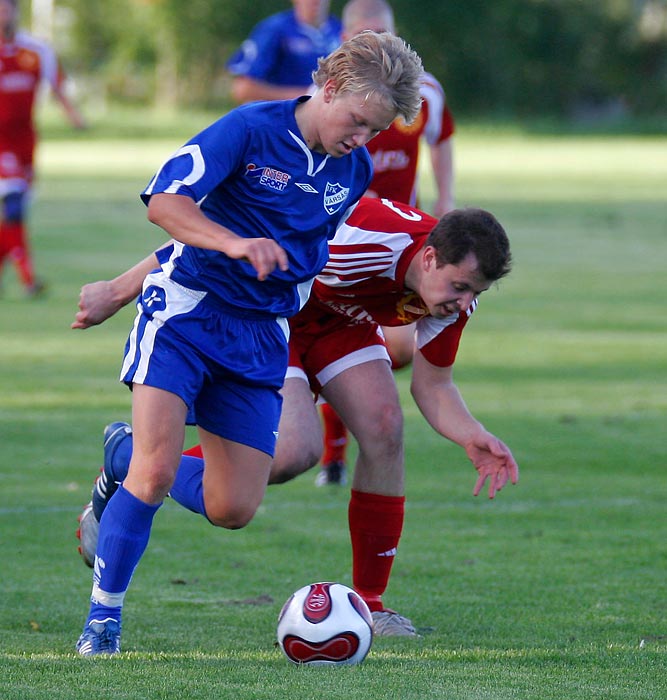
x=381, y=64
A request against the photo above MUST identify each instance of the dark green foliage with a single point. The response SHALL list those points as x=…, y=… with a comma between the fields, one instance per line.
x=588, y=60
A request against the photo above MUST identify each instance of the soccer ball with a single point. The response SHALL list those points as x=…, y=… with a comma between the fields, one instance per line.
x=325, y=624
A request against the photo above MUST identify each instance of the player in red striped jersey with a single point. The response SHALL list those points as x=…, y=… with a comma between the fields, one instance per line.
x=393, y=265
x=25, y=62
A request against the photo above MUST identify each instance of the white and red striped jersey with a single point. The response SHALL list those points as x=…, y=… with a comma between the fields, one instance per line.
x=364, y=278
x=395, y=151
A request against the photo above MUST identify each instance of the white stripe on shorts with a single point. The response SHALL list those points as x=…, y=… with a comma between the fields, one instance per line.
x=358, y=357
x=179, y=300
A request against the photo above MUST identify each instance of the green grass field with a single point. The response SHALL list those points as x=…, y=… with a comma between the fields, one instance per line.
x=555, y=591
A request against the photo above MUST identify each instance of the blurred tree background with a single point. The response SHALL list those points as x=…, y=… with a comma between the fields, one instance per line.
x=569, y=59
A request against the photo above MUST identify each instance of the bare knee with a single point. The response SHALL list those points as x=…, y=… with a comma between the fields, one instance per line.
x=232, y=514
x=386, y=427
x=380, y=436
x=150, y=483
x=380, y=466
x=288, y=463
x=231, y=518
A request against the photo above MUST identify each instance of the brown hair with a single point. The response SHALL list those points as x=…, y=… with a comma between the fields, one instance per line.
x=476, y=231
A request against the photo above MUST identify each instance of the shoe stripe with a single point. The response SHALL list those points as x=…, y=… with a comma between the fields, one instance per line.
x=121, y=428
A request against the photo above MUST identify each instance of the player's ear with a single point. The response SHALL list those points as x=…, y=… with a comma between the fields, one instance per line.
x=428, y=257
x=329, y=90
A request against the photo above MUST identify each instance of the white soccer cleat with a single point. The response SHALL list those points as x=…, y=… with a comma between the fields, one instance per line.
x=87, y=533
x=387, y=623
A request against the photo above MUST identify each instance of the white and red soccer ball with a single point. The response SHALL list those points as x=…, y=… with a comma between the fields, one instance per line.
x=325, y=624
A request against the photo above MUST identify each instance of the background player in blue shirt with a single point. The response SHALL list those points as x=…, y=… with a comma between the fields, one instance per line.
x=250, y=202
x=277, y=60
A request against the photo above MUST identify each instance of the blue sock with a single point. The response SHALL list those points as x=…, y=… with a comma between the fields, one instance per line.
x=124, y=531
x=188, y=488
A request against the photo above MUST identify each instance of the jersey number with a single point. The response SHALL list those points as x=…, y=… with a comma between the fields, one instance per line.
x=408, y=215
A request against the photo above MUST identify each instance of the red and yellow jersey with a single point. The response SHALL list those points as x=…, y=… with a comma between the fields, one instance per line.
x=364, y=279
x=395, y=151
x=25, y=62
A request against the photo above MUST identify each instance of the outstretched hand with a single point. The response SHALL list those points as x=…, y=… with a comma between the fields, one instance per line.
x=493, y=461
x=96, y=305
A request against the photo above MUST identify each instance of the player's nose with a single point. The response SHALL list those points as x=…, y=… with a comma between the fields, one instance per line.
x=465, y=300
x=362, y=138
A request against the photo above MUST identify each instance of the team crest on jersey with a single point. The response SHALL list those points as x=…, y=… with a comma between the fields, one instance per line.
x=410, y=307
x=335, y=195
x=268, y=177
x=415, y=126
x=27, y=60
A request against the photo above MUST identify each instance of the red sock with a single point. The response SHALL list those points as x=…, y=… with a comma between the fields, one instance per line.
x=14, y=242
x=376, y=523
x=335, y=435
x=194, y=451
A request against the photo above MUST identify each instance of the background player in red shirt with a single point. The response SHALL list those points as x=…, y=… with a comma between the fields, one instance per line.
x=25, y=62
x=395, y=154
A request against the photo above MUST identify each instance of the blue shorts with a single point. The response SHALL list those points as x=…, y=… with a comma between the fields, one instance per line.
x=228, y=365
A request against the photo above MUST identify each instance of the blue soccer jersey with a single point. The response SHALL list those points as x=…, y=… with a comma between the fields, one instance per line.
x=252, y=172
x=282, y=51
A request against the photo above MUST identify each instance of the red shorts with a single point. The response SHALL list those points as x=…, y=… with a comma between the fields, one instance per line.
x=322, y=345
x=20, y=143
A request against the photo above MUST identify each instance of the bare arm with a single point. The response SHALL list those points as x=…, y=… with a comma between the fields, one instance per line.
x=246, y=89
x=442, y=405
x=442, y=161
x=184, y=221
x=98, y=301
x=71, y=111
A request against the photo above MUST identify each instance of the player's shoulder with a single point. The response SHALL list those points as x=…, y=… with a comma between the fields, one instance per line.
x=279, y=22
x=429, y=79
x=30, y=42
x=268, y=112
x=430, y=86
x=372, y=213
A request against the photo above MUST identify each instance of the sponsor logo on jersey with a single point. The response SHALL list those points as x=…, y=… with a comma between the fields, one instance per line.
x=9, y=165
x=18, y=82
x=390, y=160
x=306, y=187
x=268, y=177
x=335, y=195
x=355, y=312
